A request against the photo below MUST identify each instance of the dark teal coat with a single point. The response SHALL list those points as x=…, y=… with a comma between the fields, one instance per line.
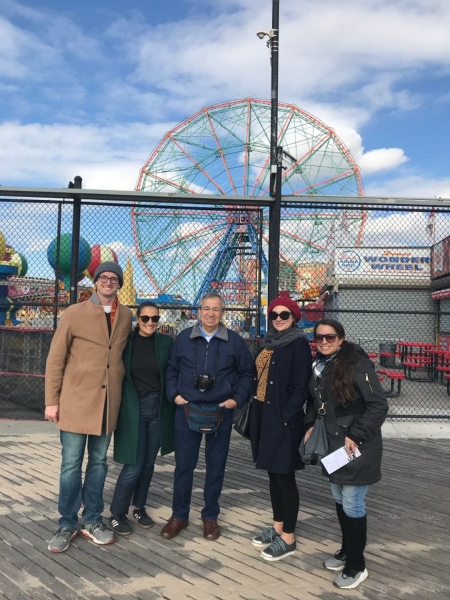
x=126, y=433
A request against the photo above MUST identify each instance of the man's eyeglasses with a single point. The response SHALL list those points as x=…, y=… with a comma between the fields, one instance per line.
x=284, y=315
x=105, y=279
x=329, y=337
x=215, y=310
x=146, y=318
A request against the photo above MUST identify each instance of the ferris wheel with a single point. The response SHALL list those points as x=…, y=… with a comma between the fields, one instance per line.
x=224, y=150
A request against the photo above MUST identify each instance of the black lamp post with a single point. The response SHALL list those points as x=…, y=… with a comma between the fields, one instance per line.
x=76, y=221
x=276, y=153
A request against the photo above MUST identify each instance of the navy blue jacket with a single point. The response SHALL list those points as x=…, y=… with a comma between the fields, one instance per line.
x=226, y=358
x=276, y=425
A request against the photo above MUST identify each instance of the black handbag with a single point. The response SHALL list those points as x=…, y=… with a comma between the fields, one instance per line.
x=316, y=448
x=242, y=425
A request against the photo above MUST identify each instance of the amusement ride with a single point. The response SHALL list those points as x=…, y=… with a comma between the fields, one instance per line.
x=224, y=150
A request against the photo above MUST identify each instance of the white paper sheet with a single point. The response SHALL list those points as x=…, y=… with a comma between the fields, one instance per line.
x=338, y=459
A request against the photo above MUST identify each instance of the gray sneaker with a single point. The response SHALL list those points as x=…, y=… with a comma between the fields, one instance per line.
x=348, y=580
x=267, y=536
x=98, y=533
x=61, y=540
x=278, y=550
x=337, y=562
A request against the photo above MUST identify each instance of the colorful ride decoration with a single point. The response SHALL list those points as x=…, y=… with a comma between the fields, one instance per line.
x=14, y=259
x=12, y=264
x=2, y=244
x=224, y=150
x=8, y=308
x=65, y=257
x=99, y=253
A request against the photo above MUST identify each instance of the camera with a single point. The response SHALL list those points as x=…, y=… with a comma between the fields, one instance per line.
x=203, y=383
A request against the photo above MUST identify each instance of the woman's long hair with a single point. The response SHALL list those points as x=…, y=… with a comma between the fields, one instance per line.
x=139, y=311
x=342, y=385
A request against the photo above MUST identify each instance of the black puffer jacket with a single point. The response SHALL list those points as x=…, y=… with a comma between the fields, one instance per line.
x=361, y=421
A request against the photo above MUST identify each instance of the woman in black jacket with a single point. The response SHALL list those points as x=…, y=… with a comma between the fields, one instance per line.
x=276, y=422
x=345, y=385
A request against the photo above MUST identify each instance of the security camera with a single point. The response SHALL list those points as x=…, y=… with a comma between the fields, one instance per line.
x=262, y=34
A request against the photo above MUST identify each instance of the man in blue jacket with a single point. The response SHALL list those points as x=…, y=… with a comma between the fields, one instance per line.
x=210, y=373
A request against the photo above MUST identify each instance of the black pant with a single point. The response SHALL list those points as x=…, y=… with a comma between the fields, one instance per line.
x=285, y=500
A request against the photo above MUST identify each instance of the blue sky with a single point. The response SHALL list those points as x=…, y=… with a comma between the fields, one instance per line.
x=89, y=88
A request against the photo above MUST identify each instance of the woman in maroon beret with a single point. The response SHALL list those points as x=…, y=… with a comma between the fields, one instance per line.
x=283, y=369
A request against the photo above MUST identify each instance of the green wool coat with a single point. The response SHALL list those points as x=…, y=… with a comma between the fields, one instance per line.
x=126, y=433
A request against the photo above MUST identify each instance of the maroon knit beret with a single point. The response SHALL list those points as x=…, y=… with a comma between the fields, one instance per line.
x=289, y=304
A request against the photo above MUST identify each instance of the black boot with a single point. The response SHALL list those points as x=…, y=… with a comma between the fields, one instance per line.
x=341, y=518
x=355, y=543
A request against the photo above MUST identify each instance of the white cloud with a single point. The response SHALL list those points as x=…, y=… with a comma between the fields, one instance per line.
x=105, y=157
x=382, y=159
x=122, y=249
x=410, y=187
x=94, y=81
x=396, y=229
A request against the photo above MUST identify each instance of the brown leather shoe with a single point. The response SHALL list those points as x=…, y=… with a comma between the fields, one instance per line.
x=173, y=527
x=211, y=530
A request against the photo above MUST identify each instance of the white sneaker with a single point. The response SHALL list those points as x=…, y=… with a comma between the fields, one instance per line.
x=348, y=580
x=98, y=533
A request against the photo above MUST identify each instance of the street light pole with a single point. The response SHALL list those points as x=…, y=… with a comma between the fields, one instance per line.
x=276, y=153
x=76, y=221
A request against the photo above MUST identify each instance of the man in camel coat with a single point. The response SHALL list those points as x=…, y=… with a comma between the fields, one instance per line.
x=83, y=384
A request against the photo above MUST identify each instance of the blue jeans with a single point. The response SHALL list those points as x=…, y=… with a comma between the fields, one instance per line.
x=72, y=492
x=352, y=498
x=134, y=480
x=187, y=447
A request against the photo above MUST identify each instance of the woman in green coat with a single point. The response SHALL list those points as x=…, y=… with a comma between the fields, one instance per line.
x=146, y=419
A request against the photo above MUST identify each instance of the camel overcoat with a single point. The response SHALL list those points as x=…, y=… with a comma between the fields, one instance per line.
x=84, y=367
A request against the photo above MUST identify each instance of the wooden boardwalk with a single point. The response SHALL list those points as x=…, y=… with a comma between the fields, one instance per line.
x=408, y=554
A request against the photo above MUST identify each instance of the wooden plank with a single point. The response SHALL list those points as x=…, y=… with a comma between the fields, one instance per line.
x=407, y=554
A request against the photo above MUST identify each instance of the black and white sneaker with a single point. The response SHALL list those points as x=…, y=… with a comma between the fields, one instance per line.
x=120, y=524
x=141, y=516
x=349, y=579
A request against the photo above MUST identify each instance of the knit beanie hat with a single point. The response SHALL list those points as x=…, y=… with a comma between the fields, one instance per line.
x=289, y=304
x=110, y=266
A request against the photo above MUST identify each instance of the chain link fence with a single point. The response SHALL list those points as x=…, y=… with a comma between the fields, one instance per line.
x=383, y=270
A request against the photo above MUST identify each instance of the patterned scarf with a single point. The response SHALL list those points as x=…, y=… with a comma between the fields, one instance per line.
x=113, y=310
x=319, y=365
x=262, y=363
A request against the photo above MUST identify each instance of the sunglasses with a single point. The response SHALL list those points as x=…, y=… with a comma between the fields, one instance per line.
x=329, y=337
x=284, y=315
x=146, y=319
